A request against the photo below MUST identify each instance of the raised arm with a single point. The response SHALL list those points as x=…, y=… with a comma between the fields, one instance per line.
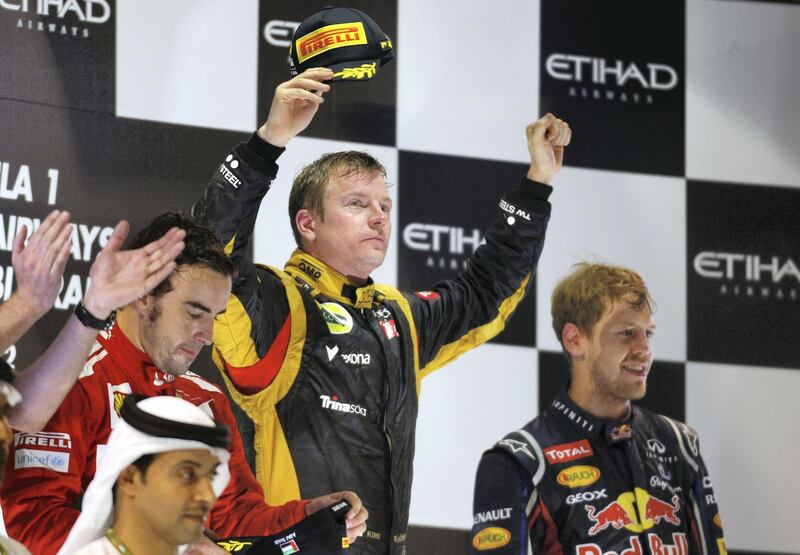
x=38, y=267
x=463, y=312
x=117, y=278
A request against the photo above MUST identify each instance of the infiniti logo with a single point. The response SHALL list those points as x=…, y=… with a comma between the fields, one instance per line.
x=656, y=446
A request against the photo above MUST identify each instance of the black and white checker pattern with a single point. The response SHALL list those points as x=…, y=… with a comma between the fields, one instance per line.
x=686, y=182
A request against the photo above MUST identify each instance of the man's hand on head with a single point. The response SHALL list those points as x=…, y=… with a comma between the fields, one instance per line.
x=294, y=105
x=547, y=138
x=120, y=277
x=356, y=519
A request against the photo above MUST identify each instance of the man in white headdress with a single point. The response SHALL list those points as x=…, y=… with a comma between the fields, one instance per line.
x=165, y=465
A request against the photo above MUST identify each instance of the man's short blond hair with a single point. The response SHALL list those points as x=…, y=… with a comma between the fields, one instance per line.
x=589, y=291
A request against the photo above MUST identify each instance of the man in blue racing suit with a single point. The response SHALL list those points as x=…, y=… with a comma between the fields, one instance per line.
x=594, y=474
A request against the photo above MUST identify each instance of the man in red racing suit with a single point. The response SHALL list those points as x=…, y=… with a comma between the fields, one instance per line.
x=48, y=470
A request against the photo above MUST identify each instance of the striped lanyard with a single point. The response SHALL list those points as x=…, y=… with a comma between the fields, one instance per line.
x=117, y=543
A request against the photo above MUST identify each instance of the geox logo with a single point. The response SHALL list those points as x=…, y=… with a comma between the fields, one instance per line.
x=333, y=403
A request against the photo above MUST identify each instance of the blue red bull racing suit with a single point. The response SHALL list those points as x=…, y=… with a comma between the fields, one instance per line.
x=575, y=484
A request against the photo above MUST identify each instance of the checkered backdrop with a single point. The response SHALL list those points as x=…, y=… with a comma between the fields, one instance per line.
x=684, y=166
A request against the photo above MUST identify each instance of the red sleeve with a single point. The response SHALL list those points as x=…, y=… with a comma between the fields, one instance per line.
x=44, y=476
x=252, y=379
x=241, y=509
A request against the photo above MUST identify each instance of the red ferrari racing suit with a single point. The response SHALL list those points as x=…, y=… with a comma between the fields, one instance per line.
x=48, y=470
x=579, y=485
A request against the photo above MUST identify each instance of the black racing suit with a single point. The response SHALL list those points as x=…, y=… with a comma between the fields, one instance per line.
x=579, y=485
x=340, y=411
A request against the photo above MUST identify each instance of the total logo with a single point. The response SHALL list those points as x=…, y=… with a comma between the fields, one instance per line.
x=450, y=246
x=626, y=512
x=606, y=78
x=333, y=403
x=566, y=452
x=679, y=546
x=750, y=275
x=64, y=13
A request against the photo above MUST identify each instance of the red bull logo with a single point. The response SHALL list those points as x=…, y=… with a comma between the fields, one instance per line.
x=613, y=514
x=635, y=511
x=680, y=546
x=657, y=510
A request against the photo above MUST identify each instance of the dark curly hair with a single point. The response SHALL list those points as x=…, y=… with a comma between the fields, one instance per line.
x=203, y=246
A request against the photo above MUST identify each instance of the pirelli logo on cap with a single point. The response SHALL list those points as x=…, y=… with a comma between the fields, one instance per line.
x=330, y=37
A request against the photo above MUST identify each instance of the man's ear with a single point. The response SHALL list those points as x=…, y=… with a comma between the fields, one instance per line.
x=128, y=481
x=142, y=305
x=574, y=341
x=306, y=224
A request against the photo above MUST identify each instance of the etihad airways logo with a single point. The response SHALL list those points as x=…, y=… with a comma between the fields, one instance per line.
x=750, y=275
x=62, y=17
x=278, y=32
x=449, y=246
x=333, y=403
x=611, y=80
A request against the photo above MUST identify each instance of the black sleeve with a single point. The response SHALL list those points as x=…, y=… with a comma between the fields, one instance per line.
x=230, y=203
x=459, y=314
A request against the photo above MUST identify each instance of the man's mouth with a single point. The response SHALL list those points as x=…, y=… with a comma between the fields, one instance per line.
x=198, y=518
x=191, y=353
x=635, y=368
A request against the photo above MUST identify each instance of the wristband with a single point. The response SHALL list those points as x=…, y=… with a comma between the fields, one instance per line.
x=90, y=321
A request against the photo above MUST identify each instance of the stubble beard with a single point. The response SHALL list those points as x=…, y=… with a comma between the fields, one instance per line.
x=157, y=350
x=617, y=388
